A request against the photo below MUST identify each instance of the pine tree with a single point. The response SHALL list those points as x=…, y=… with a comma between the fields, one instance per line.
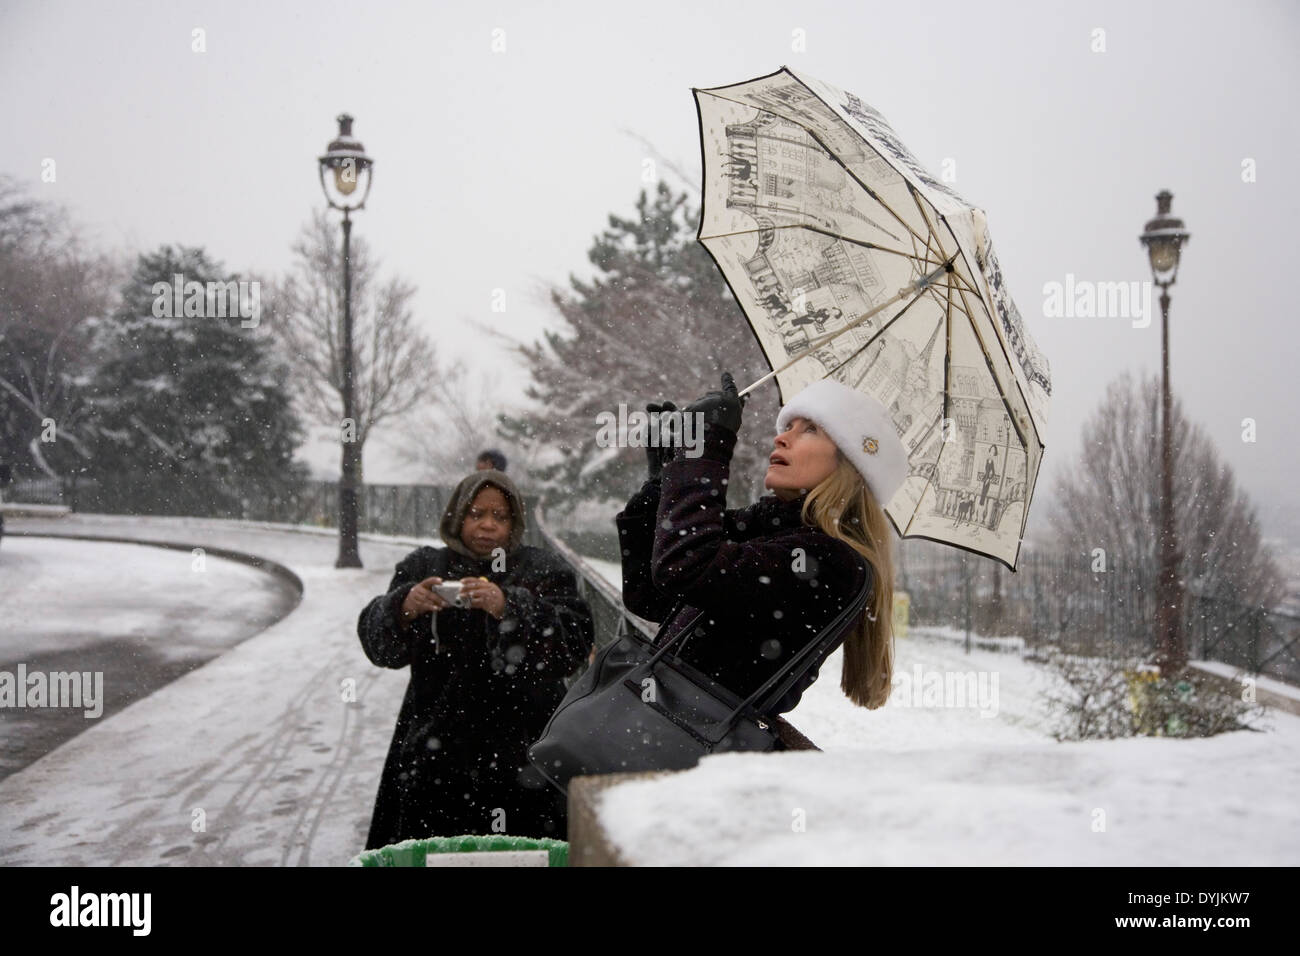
x=656, y=322
x=189, y=414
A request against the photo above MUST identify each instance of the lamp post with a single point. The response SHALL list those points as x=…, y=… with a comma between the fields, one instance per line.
x=342, y=168
x=1164, y=236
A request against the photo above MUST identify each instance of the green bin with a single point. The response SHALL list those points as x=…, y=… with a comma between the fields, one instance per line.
x=415, y=852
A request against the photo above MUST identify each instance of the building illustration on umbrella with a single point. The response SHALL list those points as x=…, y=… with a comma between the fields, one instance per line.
x=851, y=262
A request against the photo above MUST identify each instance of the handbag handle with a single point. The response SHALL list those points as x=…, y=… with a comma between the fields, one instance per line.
x=797, y=666
x=802, y=662
x=788, y=674
x=680, y=635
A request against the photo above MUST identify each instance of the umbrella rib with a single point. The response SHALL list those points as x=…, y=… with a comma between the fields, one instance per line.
x=1011, y=415
x=995, y=319
x=854, y=176
x=831, y=153
x=963, y=284
x=947, y=393
x=955, y=305
x=918, y=288
x=848, y=127
x=821, y=232
x=947, y=374
x=932, y=231
x=947, y=365
x=916, y=298
x=912, y=191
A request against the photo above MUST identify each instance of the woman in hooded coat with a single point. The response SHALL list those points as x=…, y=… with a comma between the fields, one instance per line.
x=484, y=678
x=772, y=575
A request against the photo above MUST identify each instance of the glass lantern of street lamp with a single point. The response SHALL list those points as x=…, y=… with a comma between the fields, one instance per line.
x=1164, y=237
x=344, y=166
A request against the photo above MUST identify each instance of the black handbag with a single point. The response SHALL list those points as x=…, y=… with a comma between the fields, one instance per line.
x=637, y=708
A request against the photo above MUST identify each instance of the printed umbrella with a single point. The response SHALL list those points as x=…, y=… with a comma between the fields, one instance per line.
x=852, y=262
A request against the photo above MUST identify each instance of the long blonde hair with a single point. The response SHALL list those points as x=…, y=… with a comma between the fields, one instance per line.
x=843, y=507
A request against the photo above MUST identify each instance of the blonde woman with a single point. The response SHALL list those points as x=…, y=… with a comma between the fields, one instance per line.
x=771, y=575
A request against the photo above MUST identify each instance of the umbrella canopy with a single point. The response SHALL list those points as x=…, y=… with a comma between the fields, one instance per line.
x=852, y=262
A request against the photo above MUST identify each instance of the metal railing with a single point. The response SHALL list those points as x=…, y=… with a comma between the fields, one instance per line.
x=1055, y=599
x=610, y=619
x=1051, y=599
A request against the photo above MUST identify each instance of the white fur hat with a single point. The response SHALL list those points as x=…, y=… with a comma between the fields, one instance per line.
x=860, y=427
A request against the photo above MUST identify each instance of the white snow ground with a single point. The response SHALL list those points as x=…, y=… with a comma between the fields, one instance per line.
x=257, y=759
x=130, y=618
x=60, y=595
x=944, y=785
x=937, y=782
x=253, y=759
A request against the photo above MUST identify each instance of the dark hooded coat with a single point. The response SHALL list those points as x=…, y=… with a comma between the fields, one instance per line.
x=768, y=583
x=482, y=693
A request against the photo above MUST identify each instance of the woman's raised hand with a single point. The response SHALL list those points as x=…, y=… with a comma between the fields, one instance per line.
x=721, y=408
x=659, y=455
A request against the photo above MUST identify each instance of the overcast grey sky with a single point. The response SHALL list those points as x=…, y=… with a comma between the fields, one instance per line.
x=494, y=169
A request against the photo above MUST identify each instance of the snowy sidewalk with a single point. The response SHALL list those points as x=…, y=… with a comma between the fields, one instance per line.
x=253, y=759
x=260, y=747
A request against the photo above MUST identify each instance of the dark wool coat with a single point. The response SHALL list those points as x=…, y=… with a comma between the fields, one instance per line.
x=481, y=695
x=767, y=582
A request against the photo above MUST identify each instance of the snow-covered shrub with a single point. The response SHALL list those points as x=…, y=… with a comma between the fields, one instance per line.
x=1192, y=703
x=1119, y=696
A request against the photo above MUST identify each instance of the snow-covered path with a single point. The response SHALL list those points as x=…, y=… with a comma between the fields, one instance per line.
x=256, y=758
x=136, y=615
x=253, y=759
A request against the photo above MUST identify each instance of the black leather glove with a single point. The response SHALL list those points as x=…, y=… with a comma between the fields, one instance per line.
x=657, y=457
x=722, y=409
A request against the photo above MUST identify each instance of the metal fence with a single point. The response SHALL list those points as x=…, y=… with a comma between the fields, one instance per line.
x=1052, y=599
x=41, y=491
x=611, y=620
x=406, y=510
x=1059, y=600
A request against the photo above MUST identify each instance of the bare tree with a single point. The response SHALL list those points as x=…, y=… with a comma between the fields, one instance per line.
x=395, y=365
x=444, y=443
x=1110, y=500
x=51, y=289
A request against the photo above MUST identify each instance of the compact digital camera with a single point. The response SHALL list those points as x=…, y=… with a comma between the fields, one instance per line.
x=451, y=593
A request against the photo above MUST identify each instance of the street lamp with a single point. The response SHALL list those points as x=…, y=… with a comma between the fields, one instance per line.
x=1164, y=237
x=342, y=169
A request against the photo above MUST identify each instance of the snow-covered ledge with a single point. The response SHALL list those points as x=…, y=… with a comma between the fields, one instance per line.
x=16, y=509
x=973, y=778
x=1227, y=800
x=1269, y=692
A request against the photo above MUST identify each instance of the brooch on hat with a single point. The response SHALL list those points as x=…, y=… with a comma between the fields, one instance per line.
x=869, y=445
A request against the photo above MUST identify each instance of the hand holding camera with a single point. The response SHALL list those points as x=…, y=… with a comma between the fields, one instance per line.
x=430, y=595
x=433, y=594
x=453, y=593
